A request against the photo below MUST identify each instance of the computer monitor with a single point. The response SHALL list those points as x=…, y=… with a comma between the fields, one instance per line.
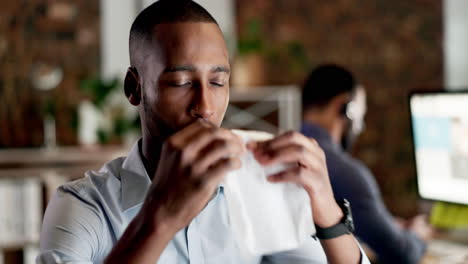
x=440, y=135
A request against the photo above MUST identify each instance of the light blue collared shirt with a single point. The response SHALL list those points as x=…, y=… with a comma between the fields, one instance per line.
x=86, y=218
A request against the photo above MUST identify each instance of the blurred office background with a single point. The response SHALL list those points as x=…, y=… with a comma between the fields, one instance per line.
x=62, y=63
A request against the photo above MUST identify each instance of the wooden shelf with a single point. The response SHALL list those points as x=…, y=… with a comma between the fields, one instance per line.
x=54, y=167
x=17, y=245
x=58, y=157
x=71, y=162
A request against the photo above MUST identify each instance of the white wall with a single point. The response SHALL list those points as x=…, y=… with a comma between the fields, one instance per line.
x=117, y=17
x=456, y=44
x=223, y=12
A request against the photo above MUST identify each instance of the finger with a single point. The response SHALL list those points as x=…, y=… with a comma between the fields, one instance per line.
x=291, y=154
x=215, y=151
x=312, y=182
x=252, y=145
x=290, y=147
x=201, y=140
x=287, y=138
x=187, y=134
x=217, y=171
x=293, y=175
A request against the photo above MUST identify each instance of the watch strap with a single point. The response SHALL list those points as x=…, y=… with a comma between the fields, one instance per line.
x=332, y=232
x=345, y=226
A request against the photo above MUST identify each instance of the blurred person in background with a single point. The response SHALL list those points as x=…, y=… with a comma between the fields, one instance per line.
x=334, y=106
x=163, y=202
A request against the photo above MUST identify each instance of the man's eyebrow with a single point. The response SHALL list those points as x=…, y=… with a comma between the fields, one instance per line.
x=188, y=68
x=220, y=69
x=191, y=68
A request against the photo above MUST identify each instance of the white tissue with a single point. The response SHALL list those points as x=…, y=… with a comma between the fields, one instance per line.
x=265, y=217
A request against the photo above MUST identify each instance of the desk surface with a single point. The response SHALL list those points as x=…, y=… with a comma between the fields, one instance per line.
x=447, y=247
x=446, y=252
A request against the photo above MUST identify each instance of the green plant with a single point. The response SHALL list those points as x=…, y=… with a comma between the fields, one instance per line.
x=252, y=40
x=98, y=89
x=291, y=53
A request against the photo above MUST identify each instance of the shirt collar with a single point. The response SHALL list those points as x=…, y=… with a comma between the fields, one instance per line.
x=320, y=134
x=135, y=181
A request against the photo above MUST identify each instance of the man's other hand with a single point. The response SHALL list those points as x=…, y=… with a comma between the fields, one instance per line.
x=310, y=171
x=420, y=226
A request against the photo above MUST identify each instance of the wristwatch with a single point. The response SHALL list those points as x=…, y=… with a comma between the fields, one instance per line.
x=345, y=226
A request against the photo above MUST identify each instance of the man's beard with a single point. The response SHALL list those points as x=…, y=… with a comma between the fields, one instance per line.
x=155, y=126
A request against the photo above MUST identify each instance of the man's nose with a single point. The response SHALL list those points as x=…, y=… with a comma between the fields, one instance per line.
x=203, y=105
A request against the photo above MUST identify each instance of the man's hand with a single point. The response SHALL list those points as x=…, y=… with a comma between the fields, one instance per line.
x=419, y=225
x=311, y=172
x=192, y=163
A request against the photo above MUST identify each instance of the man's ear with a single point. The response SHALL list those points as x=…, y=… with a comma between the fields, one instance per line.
x=132, y=86
x=339, y=104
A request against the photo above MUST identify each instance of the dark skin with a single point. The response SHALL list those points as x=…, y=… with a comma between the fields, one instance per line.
x=182, y=90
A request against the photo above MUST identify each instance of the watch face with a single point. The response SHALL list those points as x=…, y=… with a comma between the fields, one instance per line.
x=350, y=223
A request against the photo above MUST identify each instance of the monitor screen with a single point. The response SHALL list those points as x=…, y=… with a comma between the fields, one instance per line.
x=440, y=136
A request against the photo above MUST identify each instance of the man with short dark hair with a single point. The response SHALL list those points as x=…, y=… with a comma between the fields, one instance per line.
x=334, y=106
x=164, y=202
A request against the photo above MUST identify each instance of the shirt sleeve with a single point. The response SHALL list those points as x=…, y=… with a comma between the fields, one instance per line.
x=311, y=252
x=374, y=224
x=70, y=232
